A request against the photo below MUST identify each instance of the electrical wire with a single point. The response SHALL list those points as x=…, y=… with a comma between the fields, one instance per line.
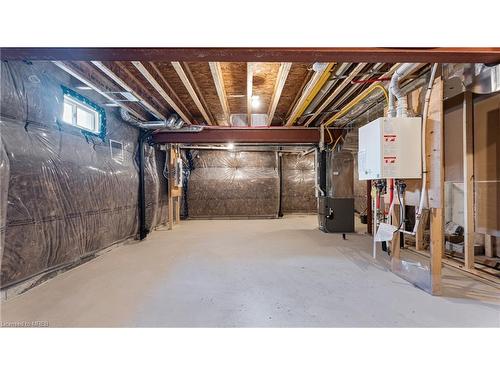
x=348, y=107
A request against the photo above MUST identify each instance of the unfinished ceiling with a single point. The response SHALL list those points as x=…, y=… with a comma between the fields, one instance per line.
x=230, y=93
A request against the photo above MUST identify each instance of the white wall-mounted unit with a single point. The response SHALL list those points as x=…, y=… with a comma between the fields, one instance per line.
x=390, y=147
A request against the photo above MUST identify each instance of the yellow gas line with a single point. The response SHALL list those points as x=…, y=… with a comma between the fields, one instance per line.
x=352, y=104
x=317, y=86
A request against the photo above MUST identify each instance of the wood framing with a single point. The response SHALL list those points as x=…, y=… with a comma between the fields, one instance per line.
x=311, y=89
x=489, y=249
x=437, y=249
x=468, y=165
x=278, y=88
x=419, y=235
x=221, y=91
x=149, y=77
x=120, y=82
x=249, y=92
x=187, y=84
x=335, y=93
x=434, y=135
x=87, y=81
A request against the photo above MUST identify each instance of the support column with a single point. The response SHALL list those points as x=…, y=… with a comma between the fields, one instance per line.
x=468, y=164
x=437, y=248
x=434, y=141
x=170, y=223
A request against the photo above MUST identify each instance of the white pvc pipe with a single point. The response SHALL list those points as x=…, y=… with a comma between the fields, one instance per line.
x=395, y=92
x=424, y=161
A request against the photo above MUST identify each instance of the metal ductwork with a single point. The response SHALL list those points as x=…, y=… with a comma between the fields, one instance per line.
x=172, y=122
x=476, y=78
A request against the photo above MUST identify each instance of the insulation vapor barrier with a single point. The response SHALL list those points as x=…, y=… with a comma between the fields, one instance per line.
x=299, y=177
x=246, y=184
x=64, y=195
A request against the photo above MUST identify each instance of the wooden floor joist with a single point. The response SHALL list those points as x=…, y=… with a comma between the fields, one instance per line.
x=187, y=84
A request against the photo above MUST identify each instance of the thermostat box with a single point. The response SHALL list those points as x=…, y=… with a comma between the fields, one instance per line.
x=390, y=147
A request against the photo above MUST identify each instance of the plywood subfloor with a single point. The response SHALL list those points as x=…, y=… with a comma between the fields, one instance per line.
x=249, y=273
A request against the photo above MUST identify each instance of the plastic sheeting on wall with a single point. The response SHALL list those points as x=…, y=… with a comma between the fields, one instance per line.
x=340, y=181
x=233, y=185
x=66, y=196
x=299, y=176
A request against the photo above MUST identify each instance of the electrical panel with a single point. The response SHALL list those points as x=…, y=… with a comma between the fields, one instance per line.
x=390, y=147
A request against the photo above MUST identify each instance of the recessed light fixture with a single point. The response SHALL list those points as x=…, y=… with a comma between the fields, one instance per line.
x=83, y=88
x=230, y=146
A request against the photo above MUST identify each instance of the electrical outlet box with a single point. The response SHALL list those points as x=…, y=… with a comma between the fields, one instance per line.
x=390, y=147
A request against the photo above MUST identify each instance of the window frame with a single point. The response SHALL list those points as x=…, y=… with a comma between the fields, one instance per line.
x=79, y=101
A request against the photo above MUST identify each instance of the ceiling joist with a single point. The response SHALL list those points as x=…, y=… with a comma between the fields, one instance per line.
x=108, y=72
x=187, y=84
x=336, y=92
x=278, y=88
x=215, y=69
x=313, y=86
x=149, y=77
x=87, y=81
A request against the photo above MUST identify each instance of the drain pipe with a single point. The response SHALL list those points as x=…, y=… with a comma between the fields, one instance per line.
x=395, y=92
x=425, y=114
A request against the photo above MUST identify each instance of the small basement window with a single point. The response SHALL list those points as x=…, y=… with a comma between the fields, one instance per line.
x=80, y=112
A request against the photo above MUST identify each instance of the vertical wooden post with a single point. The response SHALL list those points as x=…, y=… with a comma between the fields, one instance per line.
x=468, y=164
x=419, y=236
x=170, y=224
x=489, y=249
x=434, y=142
x=437, y=247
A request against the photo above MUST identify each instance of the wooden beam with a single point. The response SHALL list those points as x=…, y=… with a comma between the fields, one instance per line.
x=437, y=249
x=468, y=164
x=278, y=88
x=187, y=84
x=199, y=92
x=108, y=72
x=132, y=77
x=96, y=88
x=349, y=54
x=142, y=69
x=221, y=91
x=298, y=94
x=249, y=92
x=434, y=145
x=335, y=93
x=171, y=92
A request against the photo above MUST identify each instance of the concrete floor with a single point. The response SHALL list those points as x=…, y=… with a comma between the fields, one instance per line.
x=249, y=273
